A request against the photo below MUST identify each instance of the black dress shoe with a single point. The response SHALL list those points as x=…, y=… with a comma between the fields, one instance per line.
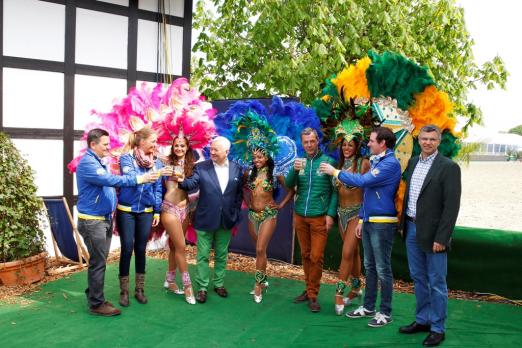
x=433, y=339
x=314, y=305
x=202, y=296
x=414, y=328
x=221, y=291
x=301, y=298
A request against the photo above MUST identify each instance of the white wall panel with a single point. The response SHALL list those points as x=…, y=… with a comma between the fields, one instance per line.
x=46, y=158
x=32, y=99
x=98, y=93
x=172, y=7
x=34, y=29
x=101, y=39
x=117, y=2
x=148, y=47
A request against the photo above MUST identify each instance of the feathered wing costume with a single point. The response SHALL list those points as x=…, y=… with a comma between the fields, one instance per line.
x=248, y=124
x=166, y=110
x=389, y=90
x=174, y=111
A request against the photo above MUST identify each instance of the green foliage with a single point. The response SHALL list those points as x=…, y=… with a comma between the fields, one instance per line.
x=516, y=130
x=20, y=208
x=265, y=47
x=467, y=149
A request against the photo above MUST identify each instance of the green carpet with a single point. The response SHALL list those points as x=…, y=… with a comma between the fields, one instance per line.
x=57, y=317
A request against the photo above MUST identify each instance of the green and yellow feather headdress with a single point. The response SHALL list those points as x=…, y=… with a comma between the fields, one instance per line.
x=250, y=132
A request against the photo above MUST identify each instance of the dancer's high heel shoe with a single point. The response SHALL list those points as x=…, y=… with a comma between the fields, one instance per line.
x=170, y=283
x=189, y=295
x=339, y=299
x=187, y=285
x=253, y=291
x=339, y=304
x=260, y=287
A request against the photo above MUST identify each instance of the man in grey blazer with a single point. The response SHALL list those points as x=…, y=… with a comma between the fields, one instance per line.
x=429, y=214
x=218, y=210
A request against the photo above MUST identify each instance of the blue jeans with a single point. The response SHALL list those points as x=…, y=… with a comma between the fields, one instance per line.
x=134, y=230
x=428, y=271
x=377, y=239
x=97, y=235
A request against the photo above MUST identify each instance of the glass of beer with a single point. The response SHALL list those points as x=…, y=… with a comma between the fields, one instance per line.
x=303, y=165
x=167, y=168
x=178, y=170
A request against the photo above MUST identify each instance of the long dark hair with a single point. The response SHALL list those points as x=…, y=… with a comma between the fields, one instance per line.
x=269, y=174
x=190, y=161
x=357, y=154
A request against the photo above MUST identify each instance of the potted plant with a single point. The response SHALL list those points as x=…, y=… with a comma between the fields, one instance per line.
x=22, y=242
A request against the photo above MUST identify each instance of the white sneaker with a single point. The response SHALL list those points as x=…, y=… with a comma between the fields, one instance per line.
x=360, y=312
x=380, y=320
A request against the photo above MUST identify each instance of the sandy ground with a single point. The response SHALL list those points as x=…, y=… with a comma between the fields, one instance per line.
x=491, y=195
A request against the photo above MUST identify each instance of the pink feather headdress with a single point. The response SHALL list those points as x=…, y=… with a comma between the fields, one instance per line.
x=176, y=111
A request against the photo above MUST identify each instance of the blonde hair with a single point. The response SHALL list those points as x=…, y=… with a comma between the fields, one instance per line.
x=135, y=138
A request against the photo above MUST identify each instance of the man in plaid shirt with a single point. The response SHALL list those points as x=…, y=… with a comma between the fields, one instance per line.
x=431, y=206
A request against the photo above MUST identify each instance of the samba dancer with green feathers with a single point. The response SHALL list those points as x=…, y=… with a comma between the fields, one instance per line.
x=349, y=137
x=256, y=142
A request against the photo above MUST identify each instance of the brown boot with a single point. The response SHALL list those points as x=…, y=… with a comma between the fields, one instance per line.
x=106, y=310
x=124, y=291
x=140, y=288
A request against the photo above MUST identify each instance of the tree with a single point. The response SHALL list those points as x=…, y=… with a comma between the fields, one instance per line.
x=516, y=130
x=256, y=48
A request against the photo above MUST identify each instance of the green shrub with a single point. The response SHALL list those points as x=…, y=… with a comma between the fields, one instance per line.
x=20, y=208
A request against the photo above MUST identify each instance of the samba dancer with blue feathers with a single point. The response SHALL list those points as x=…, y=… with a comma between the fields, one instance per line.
x=256, y=142
x=267, y=156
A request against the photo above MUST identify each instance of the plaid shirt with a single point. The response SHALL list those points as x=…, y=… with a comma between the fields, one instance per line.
x=417, y=179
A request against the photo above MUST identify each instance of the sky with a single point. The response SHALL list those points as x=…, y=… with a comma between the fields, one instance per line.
x=495, y=27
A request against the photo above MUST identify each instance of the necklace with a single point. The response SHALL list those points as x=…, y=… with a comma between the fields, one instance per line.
x=348, y=163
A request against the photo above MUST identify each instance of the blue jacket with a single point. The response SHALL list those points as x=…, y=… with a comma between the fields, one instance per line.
x=380, y=186
x=96, y=193
x=215, y=209
x=141, y=198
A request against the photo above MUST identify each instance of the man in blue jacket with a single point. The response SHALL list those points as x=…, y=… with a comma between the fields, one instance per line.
x=219, y=207
x=96, y=204
x=377, y=222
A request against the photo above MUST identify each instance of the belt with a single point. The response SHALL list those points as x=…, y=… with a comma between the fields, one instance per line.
x=409, y=218
x=92, y=217
x=128, y=209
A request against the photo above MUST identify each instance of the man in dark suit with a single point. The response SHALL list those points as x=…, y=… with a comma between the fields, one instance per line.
x=429, y=214
x=217, y=211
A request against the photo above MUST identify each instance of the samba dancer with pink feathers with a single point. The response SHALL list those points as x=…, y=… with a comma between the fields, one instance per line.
x=190, y=130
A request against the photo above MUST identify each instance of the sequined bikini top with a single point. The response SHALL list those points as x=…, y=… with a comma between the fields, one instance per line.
x=347, y=166
x=265, y=184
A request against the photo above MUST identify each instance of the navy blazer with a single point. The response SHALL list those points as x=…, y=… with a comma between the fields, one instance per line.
x=215, y=209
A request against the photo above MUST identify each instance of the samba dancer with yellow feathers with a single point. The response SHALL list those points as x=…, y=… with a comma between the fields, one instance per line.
x=349, y=137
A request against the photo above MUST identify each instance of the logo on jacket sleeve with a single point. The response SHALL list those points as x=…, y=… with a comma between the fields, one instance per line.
x=375, y=172
x=100, y=171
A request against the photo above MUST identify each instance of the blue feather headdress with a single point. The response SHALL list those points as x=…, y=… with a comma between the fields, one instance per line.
x=284, y=120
